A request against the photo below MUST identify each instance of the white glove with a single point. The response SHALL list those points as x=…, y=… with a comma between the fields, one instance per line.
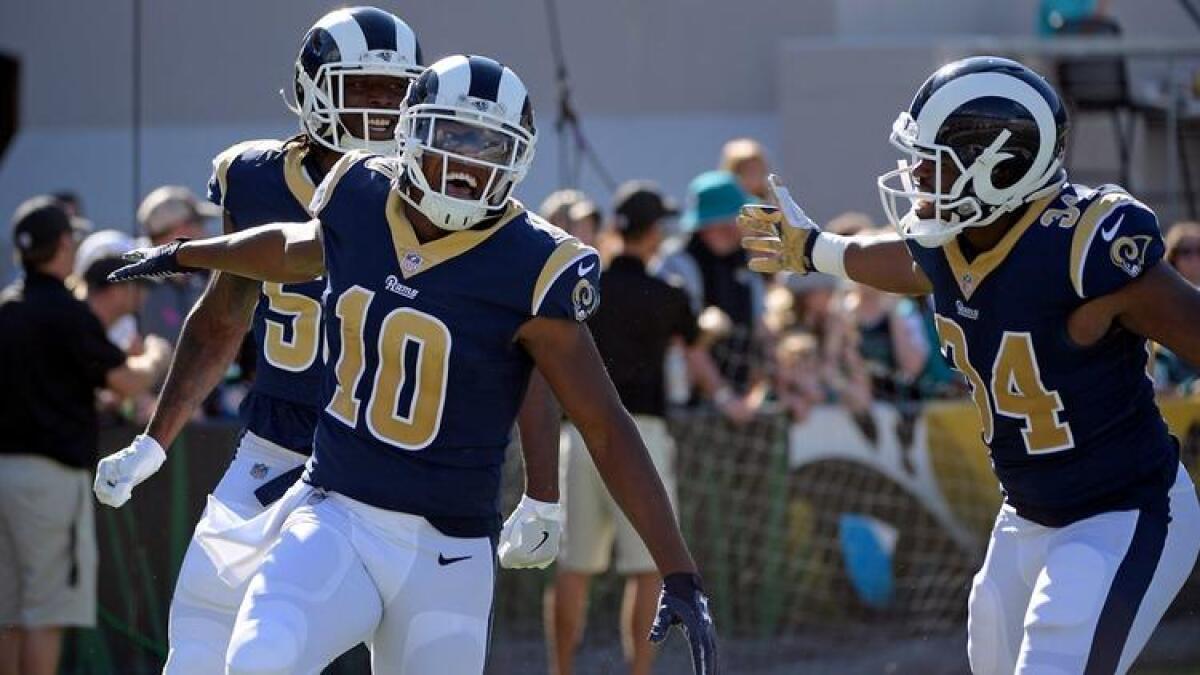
x=120, y=472
x=530, y=535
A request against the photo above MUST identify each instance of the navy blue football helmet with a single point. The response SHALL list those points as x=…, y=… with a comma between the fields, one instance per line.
x=1003, y=128
x=472, y=118
x=345, y=43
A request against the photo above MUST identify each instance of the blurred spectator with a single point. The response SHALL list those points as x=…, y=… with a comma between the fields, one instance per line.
x=710, y=265
x=1183, y=250
x=1054, y=14
x=109, y=245
x=168, y=213
x=892, y=340
x=70, y=202
x=556, y=208
x=584, y=220
x=746, y=159
x=53, y=356
x=797, y=375
x=1183, y=253
x=639, y=318
x=810, y=304
x=587, y=223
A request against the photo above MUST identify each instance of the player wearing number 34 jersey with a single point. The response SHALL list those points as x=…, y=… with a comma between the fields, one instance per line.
x=443, y=295
x=1045, y=294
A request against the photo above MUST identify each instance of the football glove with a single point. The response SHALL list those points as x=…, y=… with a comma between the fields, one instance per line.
x=154, y=262
x=683, y=602
x=530, y=535
x=784, y=238
x=120, y=472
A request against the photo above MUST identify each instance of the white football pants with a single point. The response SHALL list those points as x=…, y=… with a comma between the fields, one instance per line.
x=203, y=607
x=342, y=572
x=1083, y=598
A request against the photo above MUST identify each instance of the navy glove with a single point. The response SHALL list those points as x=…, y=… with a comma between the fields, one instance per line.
x=683, y=602
x=154, y=262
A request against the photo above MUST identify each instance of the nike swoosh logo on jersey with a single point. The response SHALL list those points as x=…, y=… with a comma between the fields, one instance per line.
x=545, y=536
x=443, y=560
x=1112, y=231
x=584, y=269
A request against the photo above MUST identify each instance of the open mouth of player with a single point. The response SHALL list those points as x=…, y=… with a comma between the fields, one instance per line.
x=462, y=185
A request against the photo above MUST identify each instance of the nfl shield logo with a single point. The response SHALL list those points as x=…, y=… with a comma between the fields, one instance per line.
x=411, y=262
x=258, y=471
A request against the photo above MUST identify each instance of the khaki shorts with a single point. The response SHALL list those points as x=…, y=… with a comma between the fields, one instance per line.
x=47, y=544
x=594, y=521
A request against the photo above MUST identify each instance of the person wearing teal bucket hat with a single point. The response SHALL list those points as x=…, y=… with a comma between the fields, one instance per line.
x=710, y=265
x=714, y=198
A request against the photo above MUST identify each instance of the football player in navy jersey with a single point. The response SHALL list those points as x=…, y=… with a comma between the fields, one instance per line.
x=350, y=78
x=1045, y=294
x=443, y=295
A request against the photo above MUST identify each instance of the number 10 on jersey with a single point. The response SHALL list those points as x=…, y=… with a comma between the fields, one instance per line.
x=402, y=330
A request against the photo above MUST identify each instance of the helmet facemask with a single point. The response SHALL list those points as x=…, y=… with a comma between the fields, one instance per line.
x=476, y=158
x=934, y=217
x=323, y=113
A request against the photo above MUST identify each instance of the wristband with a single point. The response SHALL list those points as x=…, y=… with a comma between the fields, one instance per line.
x=828, y=254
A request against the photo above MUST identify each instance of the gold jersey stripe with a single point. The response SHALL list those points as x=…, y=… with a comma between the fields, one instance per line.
x=568, y=252
x=1085, y=232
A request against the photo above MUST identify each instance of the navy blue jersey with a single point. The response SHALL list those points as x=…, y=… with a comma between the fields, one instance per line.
x=1072, y=430
x=425, y=375
x=260, y=182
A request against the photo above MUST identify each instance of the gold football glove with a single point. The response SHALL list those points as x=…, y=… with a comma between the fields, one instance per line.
x=779, y=244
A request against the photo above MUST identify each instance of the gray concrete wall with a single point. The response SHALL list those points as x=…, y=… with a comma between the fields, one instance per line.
x=661, y=84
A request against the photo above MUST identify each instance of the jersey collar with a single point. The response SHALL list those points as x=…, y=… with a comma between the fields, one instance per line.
x=414, y=257
x=969, y=275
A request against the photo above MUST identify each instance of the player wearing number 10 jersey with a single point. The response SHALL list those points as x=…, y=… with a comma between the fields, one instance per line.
x=443, y=295
x=1045, y=294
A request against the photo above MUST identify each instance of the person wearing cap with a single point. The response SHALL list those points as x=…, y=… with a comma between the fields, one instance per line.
x=556, y=207
x=711, y=267
x=168, y=213
x=633, y=329
x=107, y=245
x=54, y=355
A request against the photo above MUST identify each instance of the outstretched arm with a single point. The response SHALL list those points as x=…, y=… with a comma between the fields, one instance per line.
x=787, y=239
x=881, y=262
x=282, y=252
x=208, y=343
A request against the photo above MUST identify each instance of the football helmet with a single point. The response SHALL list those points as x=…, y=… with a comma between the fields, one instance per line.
x=1000, y=129
x=346, y=43
x=469, y=121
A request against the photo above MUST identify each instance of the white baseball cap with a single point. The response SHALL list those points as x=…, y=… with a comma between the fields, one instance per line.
x=170, y=205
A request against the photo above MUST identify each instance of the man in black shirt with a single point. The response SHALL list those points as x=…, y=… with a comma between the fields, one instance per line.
x=54, y=354
x=712, y=267
x=640, y=317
